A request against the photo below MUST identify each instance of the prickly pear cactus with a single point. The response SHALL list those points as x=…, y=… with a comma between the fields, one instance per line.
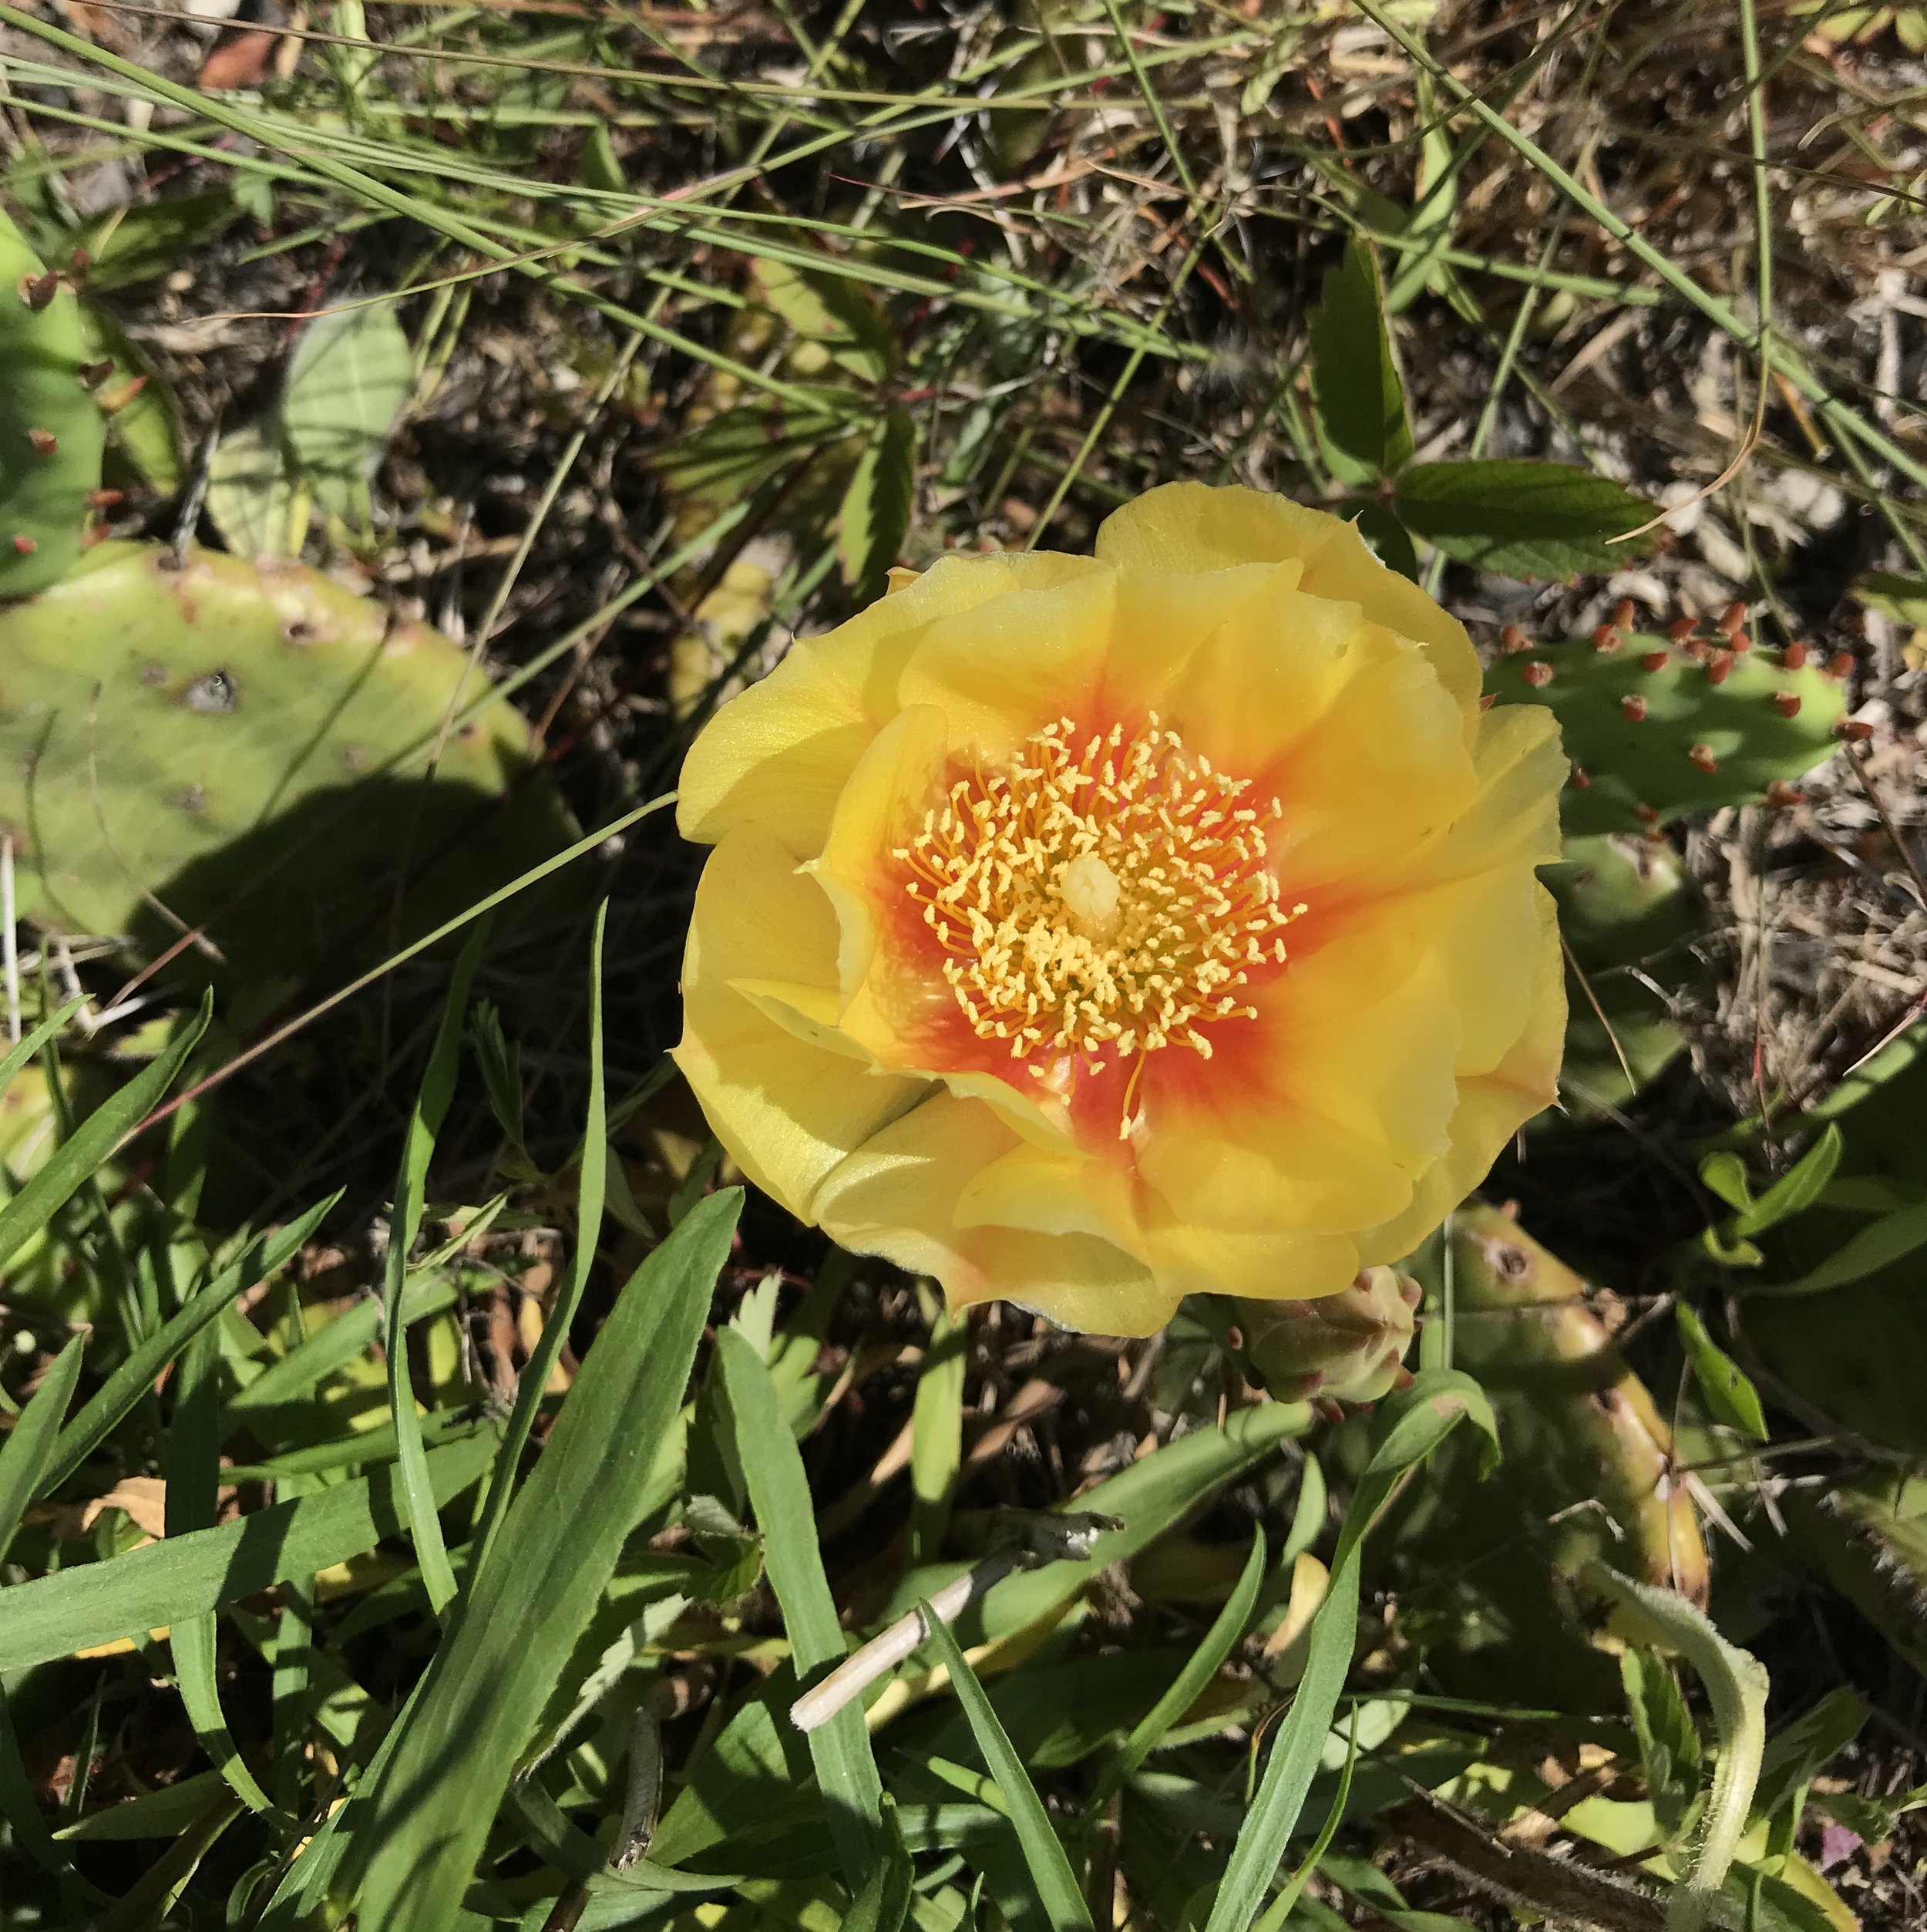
x=1348, y=1348
x=1487, y=1571
x=237, y=752
x=51, y=431
x=1656, y=728
x=1627, y=916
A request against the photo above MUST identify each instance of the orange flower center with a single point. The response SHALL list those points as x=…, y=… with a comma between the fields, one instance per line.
x=1113, y=900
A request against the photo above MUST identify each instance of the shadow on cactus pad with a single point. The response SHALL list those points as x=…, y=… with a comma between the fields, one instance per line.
x=241, y=752
x=1488, y=1573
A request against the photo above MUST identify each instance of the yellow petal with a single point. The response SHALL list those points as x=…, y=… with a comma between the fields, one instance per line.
x=1317, y=1119
x=1492, y=1107
x=1106, y=646
x=1514, y=817
x=806, y=1013
x=1194, y=527
x=787, y=1111
x=881, y=804
x=778, y=755
x=1190, y=1260
x=1345, y=724
x=898, y=1196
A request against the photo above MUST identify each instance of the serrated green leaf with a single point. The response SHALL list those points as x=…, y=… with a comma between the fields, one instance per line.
x=1354, y=378
x=1522, y=519
x=833, y=310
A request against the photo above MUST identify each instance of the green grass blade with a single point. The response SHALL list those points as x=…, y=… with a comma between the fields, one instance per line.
x=333, y=1346
x=22, y=1051
x=1279, y=1912
x=430, y=1108
x=1057, y=1889
x=192, y=1490
x=30, y=1443
x=936, y=1434
x=167, y=1583
x=591, y=1194
x=1202, y=1665
x=80, y=1157
x=420, y=1822
x=20, y=1807
x=123, y=1389
x=772, y=1466
x=1409, y=1428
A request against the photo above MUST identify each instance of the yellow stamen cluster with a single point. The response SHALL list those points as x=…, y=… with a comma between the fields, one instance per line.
x=1109, y=901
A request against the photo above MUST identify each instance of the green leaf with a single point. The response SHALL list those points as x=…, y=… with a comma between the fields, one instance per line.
x=259, y=504
x=591, y=1193
x=779, y=1490
x=92, y=1144
x=1057, y=1890
x=420, y=1819
x=332, y=1346
x=29, y=1444
x=1406, y=1430
x=1522, y=519
x=1669, y=1748
x=167, y=1583
x=347, y=382
x=1354, y=378
x=832, y=311
x=884, y=1902
x=124, y=1386
x=1725, y=1174
x=936, y=1433
x=1390, y=542
x=1888, y=1240
x=192, y=1493
x=1149, y=1498
x=1798, y=1189
x=1805, y=1748
x=1188, y=1685
x=875, y=517
x=137, y=242
x=1902, y=598
x=1731, y=1397
x=405, y=1223
x=24, y=1050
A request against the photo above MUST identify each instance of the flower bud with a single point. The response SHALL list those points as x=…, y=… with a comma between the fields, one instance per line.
x=1348, y=1347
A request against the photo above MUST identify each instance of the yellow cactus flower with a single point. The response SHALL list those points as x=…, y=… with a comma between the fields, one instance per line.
x=1088, y=932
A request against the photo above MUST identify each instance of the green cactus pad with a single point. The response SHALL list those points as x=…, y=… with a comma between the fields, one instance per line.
x=1705, y=740
x=1627, y=916
x=1587, y=1457
x=242, y=749
x=51, y=431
